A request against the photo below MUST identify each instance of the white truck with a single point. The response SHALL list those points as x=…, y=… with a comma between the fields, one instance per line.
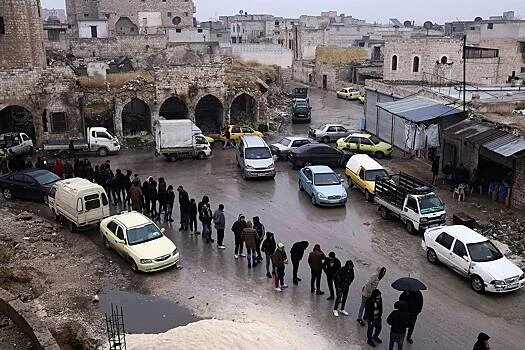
x=411, y=200
x=17, y=142
x=98, y=140
x=180, y=139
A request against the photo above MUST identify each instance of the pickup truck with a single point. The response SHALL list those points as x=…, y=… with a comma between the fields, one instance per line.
x=179, y=139
x=411, y=200
x=17, y=142
x=99, y=140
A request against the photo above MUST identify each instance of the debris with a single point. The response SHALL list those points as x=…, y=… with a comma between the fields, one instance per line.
x=366, y=223
x=191, y=297
x=24, y=216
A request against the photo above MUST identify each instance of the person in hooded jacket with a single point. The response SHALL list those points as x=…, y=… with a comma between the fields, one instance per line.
x=268, y=248
x=366, y=292
x=373, y=316
x=483, y=342
x=279, y=260
x=205, y=200
x=237, y=228
x=207, y=217
x=162, y=193
x=184, y=204
x=145, y=192
x=193, y=211
x=170, y=201
x=315, y=260
x=414, y=303
x=220, y=224
x=135, y=195
x=399, y=321
x=57, y=168
x=121, y=185
x=296, y=254
x=153, y=196
x=249, y=236
x=330, y=266
x=343, y=278
x=259, y=227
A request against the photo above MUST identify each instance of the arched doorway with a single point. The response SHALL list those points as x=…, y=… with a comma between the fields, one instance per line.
x=208, y=114
x=136, y=117
x=99, y=114
x=243, y=109
x=174, y=108
x=17, y=118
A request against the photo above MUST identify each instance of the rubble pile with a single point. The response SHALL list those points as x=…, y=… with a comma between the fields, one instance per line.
x=508, y=230
x=136, y=84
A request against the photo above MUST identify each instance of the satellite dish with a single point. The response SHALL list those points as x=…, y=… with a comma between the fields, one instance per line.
x=428, y=25
x=407, y=24
x=478, y=19
x=241, y=12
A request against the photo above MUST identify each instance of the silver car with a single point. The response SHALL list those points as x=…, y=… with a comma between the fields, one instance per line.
x=329, y=133
x=282, y=148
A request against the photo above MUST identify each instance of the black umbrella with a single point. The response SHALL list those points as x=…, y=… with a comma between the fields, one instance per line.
x=408, y=284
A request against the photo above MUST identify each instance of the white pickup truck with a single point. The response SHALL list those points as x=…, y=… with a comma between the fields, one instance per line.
x=98, y=140
x=180, y=138
x=17, y=142
x=411, y=200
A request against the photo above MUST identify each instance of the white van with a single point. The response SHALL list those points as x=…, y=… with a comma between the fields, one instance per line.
x=78, y=201
x=254, y=157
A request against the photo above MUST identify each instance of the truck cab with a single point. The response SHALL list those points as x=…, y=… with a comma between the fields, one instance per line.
x=17, y=142
x=423, y=211
x=101, y=141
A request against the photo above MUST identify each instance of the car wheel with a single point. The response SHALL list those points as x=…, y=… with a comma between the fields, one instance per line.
x=301, y=188
x=325, y=139
x=307, y=163
x=201, y=155
x=477, y=284
x=72, y=226
x=7, y=193
x=133, y=265
x=350, y=183
x=106, y=243
x=384, y=213
x=63, y=154
x=172, y=157
x=368, y=196
x=431, y=256
x=56, y=216
x=379, y=155
x=410, y=227
x=102, y=152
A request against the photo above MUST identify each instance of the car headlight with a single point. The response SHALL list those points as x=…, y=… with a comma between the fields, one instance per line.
x=344, y=195
x=175, y=252
x=146, y=261
x=320, y=195
x=270, y=166
x=498, y=283
x=443, y=217
x=249, y=167
x=423, y=220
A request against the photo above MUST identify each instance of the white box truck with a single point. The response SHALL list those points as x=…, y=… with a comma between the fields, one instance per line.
x=180, y=139
x=98, y=140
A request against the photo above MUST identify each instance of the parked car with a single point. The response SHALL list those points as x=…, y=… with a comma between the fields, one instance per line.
x=349, y=94
x=301, y=110
x=139, y=241
x=474, y=257
x=318, y=154
x=329, y=132
x=254, y=157
x=323, y=185
x=362, y=99
x=282, y=148
x=17, y=142
x=301, y=92
x=32, y=184
x=361, y=172
x=237, y=131
x=365, y=143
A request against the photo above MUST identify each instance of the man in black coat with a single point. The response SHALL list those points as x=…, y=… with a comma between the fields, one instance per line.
x=414, y=302
x=296, y=254
x=330, y=266
x=399, y=320
x=184, y=203
x=343, y=278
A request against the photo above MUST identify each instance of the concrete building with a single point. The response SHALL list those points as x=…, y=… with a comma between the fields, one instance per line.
x=54, y=14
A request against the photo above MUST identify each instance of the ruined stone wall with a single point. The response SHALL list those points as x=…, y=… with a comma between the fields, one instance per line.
x=22, y=44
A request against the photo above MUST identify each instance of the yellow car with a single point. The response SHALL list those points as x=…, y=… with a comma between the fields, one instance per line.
x=349, y=94
x=361, y=172
x=237, y=131
x=365, y=143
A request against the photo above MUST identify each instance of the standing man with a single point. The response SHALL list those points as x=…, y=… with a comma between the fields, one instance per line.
x=220, y=223
x=279, y=259
x=153, y=196
x=207, y=217
x=330, y=266
x=414, y=303
x=184, y=203
x=315, y=260
x=435, y=169
x=366, y=292
x=193, y=216
x=170, y=201
x=398, y=321
x=145, y=191
x=343, y=278
x=373, y=316
x=268, y=247
x=296, y=254
x=237, y=228
x=135, y=195
x=260, y=236
x=249, y=236
x=205, y=200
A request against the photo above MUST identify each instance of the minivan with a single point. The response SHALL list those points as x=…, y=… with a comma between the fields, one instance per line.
x=254, y=157
x=79, y=202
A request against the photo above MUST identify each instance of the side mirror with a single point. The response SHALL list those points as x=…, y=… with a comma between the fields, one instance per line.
x=309, y=181
x=162, y=230
x=466, y=258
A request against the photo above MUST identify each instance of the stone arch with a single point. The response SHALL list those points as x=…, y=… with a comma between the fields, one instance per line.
x=99, y=113
x=244, y=109
x=136, y=117
x=17, y=118
x=124, y=26
x=174, y=108
x=209, y=113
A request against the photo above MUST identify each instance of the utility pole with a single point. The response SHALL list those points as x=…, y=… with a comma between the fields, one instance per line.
x=464, y=73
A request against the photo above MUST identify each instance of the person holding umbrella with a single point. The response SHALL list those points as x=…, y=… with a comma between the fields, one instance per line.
x=413, y=299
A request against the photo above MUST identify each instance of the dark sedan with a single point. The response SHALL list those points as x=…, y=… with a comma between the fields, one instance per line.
x=318, y=154
x=32, y=184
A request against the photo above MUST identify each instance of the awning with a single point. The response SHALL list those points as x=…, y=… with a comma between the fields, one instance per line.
x=418, y=109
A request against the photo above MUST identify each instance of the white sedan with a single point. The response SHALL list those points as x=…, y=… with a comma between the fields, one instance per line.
x=474, y=257
x=282, y=148
x=138, y=240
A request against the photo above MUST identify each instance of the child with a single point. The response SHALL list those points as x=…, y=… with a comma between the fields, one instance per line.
x=193, y=216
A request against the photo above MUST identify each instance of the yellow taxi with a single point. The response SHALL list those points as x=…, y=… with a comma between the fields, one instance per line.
x=349, y=94
x=237, y=131
x=361, y=172
x=365, y=143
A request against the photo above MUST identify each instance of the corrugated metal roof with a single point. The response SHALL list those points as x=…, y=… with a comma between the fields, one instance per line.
x=418, y=109
x=507, y=146
x=467, y=128
x=487, y=136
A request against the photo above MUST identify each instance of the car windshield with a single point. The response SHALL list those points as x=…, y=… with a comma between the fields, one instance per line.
x=430, y=204
x=326, y=179
x=46, y=178
x=141, y=234
x=483, y=251
x=370, y=175
x=258, y=153
x=285, y=142
x=374, y=139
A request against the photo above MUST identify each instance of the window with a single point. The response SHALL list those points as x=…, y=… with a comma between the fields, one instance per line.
x=86, y=14
x=236, y=129
x=444, y=60
x=247, y=130
x=53, y=35
x=28, y=180
x=331, y=129
x=445, y=240
x=522, y=69
x=199, y=140
x=199, y=30
x=176, y=20
x=366, y=142
x=120, y=233
x=92, y=201
x=178, y=30
x=412, y=204
x=169, y=14
x=2, y=25
x=186, y=14
x=112, y=226
x=459, y=249
x=415, y=65
x=490, y=26
x=104, y=199
x=354, y=140
x=341, y=129
x=219, y=35
x=394, y=62
x=107, y=15
x=103, y=135
x=277, y=23
x=94, y=33
x=58, y=122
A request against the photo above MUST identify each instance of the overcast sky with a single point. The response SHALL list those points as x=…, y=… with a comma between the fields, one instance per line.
x=371, y=10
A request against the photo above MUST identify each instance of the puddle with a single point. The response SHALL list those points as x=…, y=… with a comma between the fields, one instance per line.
x=145, y=313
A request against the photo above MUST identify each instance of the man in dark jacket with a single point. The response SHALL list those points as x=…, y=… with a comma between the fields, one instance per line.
x=237, y=228
x=343, y=278
x=483, y=342
x=205, y=200
x=184, y=203
x=296, y=254
x=315, y=260
x=145, y=192
x=279, y=259
x=153, y=196
x=373, y=314
x=330, y=266
x=398, y=320
x=259, y=227
x=268, y=248
x=170, y=200
x=220, y=223
x=207, y=217
x=414, y=303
